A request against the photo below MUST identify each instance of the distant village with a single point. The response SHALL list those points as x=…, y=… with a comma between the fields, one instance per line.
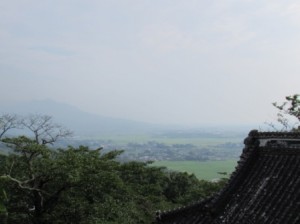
x=157, y=151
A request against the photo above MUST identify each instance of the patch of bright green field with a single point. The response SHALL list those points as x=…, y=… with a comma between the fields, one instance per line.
x=207, y=170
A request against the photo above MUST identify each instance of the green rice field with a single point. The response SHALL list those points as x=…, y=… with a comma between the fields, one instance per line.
x=207, y=170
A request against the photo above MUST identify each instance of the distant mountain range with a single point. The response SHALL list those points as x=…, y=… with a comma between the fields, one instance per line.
x=92, y=125
x=80, y=122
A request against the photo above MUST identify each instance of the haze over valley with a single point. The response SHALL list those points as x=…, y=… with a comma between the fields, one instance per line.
x=112, y=110
x=140, y=141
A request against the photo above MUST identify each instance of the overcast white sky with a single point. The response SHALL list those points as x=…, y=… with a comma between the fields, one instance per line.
x=161, y=61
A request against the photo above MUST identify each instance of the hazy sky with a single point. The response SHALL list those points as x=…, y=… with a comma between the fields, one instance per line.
x=162, y=61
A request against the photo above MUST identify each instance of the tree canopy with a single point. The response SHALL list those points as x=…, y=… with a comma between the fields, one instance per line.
x=39, y=184
x=289, y=113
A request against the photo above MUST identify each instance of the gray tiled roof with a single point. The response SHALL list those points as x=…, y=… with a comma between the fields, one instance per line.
x=265, y=187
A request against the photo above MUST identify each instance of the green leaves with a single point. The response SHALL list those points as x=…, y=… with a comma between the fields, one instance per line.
x=3, y=200
x=289, y=110
x=80, y=185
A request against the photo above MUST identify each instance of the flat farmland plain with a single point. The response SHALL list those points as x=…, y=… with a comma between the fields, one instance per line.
x=206, y=170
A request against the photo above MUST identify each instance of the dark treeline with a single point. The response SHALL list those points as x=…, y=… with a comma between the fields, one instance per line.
x=43, y=185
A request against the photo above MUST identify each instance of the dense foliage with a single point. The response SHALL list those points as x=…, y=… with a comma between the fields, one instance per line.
x=79, y=185
x=289, y=113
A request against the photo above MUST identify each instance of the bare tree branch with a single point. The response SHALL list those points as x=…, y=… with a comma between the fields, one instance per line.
x=44, y=130
x=22, y=184
x=7, y=122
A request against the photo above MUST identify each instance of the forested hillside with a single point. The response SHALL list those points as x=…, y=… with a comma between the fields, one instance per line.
x=40, y=184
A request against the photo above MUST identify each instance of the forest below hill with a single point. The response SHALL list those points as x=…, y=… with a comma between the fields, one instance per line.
x=44, y=184
x=78, y=185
